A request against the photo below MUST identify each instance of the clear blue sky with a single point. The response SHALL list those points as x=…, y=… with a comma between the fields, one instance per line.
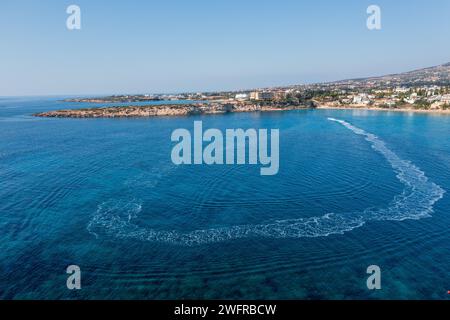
x=198, y=45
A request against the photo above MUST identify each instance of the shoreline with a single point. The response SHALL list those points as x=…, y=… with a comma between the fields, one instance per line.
x=206, y=109
x=406, y=110
x=164, y=110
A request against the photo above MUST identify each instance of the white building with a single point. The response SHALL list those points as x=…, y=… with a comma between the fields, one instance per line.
x=361, y=99
x=445, y=98
x=434, y=98
x=401, y=89
x=412, y=98
x=241, y=96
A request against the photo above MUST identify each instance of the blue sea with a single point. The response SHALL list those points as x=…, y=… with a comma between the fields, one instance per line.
x=355, y=188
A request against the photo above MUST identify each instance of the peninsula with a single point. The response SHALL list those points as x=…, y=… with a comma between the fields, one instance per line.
x=169, y=110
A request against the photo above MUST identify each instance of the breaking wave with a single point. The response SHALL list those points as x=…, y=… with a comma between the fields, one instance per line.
x=115, y=219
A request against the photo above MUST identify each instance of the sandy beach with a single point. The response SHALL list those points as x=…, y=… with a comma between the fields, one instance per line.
x=433, y=111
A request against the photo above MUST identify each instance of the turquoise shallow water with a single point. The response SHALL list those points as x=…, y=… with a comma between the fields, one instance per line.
x=355, y=188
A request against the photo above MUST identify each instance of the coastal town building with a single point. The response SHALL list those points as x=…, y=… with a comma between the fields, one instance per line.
x=401, y=90
x=362, y=98
x=445, y=98
x=412, y=98
x=261, y=95
x=241, y=96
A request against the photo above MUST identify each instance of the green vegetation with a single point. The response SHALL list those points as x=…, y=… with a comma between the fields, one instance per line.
x=422, y=104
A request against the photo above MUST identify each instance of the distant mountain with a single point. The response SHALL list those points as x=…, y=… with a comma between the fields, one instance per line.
x=439, y=75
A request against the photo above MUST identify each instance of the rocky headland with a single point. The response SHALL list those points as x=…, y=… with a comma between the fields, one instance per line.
x=165, y=110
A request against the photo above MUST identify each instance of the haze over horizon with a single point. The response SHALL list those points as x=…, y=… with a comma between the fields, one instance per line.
x=175, y=47
x=204, y=91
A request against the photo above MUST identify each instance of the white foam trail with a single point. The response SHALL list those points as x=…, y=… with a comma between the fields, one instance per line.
x=415, y=202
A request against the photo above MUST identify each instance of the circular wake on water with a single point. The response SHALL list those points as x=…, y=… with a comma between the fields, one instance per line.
x=115, y=219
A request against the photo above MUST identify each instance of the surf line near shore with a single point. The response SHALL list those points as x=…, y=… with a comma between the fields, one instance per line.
x=415, y=202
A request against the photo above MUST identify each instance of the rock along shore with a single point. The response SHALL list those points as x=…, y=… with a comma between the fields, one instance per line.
x=163, y=110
